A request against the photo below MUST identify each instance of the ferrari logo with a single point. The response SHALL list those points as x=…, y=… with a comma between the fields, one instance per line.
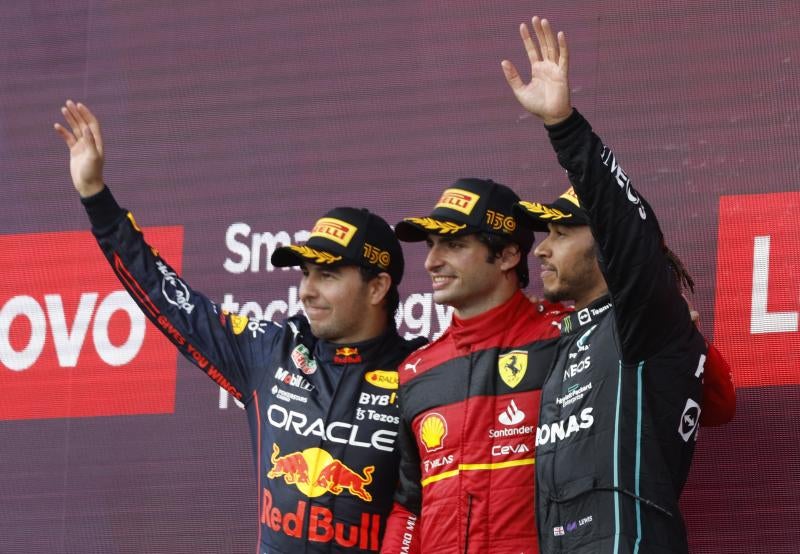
x=512, y=367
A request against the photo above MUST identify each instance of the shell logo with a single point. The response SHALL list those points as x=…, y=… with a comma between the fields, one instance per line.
x=432, y=431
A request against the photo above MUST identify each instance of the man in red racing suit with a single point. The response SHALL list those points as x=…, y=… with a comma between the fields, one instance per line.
x=469, y=400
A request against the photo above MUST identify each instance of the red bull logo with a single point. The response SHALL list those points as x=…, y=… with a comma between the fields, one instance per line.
x=315, y=472
x=347, y=355
x=321, y=526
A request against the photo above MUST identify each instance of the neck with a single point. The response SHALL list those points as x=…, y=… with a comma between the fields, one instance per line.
x=500, y=295
x=373, y=327
x=590, y=297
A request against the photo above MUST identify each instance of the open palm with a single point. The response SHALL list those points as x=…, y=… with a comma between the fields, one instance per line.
x=547, y=93
x=85, y=147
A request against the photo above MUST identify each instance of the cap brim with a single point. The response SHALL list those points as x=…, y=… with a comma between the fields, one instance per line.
x=537, y=216
x=292, y=255
x=416, y=229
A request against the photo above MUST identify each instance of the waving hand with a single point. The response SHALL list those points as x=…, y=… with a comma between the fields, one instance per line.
x=85, y=143
x=547, y=93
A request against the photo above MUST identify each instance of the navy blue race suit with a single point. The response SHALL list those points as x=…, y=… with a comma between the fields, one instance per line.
x=323, y=417
x=620, y=408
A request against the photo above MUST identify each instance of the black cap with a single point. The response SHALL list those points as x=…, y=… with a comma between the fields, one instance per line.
x=469, y=206
x=347, y=236
x=566, y=210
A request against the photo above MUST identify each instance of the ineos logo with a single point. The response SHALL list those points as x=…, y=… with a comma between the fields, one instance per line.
x=68, y=341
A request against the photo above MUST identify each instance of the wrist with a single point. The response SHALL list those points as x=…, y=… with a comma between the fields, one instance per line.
x=86, y=190
x=556, y=119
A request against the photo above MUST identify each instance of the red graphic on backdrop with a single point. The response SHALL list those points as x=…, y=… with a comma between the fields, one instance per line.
x=758, y=288
x=72, y=341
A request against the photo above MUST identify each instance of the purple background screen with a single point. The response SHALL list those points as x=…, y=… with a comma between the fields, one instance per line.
x=269, y=113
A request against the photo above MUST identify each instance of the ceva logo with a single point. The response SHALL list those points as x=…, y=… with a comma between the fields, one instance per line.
x=72, y=341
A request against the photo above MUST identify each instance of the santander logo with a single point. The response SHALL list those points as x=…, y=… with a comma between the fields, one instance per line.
x=73, y=343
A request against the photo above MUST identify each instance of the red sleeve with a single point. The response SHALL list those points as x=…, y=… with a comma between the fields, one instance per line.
x=719, y=394
x=402, y=532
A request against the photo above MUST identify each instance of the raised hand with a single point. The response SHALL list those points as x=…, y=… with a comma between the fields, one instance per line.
x=85, y=148
x=547, y=94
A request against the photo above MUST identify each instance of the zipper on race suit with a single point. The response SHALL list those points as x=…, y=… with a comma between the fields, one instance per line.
x=469, y=518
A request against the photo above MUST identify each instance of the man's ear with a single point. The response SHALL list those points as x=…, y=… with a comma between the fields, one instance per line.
x=510, y=257
x=379, y=287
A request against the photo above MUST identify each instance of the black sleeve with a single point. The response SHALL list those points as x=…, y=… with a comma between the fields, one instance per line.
x=646, y=296
x=409, y=487
x=211, y=339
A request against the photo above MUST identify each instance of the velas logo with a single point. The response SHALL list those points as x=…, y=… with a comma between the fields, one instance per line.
x=315, y=472
x=334, y=229
x=459, y=200
x=72, y=341
x=758, y=288
x=347, y=355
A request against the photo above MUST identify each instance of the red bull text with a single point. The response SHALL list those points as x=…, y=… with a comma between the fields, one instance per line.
x=321, y=526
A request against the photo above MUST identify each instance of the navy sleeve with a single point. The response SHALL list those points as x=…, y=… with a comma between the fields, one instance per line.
x=211, y=339
x=650, y=310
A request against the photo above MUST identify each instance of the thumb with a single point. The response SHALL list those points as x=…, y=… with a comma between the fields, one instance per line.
x=512, y=75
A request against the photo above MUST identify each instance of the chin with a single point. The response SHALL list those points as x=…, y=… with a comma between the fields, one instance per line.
x=555, y=295
x=440, y=297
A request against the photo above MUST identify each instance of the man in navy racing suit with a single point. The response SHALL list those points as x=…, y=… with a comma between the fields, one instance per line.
x=620, y=408
x=320, y=392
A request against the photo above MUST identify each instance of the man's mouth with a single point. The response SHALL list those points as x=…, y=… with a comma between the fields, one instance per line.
x=440, y=281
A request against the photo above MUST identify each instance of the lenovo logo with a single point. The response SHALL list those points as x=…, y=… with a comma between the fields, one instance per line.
x=73, y=343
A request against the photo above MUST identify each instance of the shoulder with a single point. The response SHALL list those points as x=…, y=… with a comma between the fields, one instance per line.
x=425, y=357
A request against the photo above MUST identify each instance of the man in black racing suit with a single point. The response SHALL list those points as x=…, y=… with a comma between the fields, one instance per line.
x=621, y=405
x=320, y=393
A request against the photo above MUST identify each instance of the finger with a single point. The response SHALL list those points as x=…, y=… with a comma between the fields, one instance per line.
x=530, y=46
x=550, y=41
x=68, y=137
x=94, y=126
x=538, y=29
x=563, y=59
x=69, y=117
x=695, y=316
x=87, y=134
x=76, y=113
x=512, y=75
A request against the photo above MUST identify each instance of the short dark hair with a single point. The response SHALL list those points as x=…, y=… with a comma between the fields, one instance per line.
x=496, y=244
x=392, y=296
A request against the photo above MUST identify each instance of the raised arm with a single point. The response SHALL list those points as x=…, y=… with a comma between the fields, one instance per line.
x=216, y=342
x=646, y=296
